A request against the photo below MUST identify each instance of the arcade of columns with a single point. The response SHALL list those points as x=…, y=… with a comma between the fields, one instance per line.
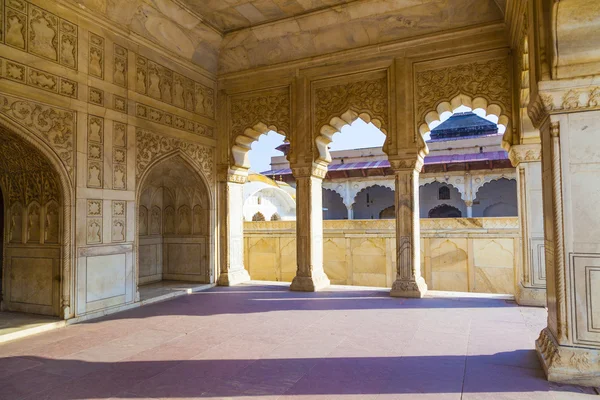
x=104, y=106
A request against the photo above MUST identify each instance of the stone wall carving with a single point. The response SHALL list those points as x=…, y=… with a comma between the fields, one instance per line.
x=175, y=121
x=119, y=221
x=150, y=146
x=488, y=79
x=368, y=97
x=96, y=56
x=94, y=222
x=573, y=99
x=95, y=156
x=119, y=156
x=20, y=73
x=120, y=66
x=166, y=85
x=120, y=103
x=96, y=96
x=34, y=30
x=271, y=109
x=54, y=126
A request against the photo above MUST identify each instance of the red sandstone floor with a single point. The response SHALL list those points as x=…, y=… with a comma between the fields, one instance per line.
x=264, y=342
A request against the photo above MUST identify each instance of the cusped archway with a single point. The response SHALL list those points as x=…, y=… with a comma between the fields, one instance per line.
x=371, y=201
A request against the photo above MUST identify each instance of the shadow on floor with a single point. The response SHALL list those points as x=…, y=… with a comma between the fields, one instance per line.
x=292, y=377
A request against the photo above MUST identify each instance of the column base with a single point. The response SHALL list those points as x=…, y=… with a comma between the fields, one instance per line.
x=232, y=278
x=409, y=288
x=530, y=296
x=310, y=283
x=568, y=365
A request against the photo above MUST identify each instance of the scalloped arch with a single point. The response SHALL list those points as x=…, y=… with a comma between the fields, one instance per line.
x=335, y=125
x=383, y=186
x=243, y=143
x=461, y=193
x=486, y=182
x=474, y=103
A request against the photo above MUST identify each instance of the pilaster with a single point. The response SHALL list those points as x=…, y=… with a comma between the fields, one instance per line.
x=531, y=284
x=231, y=226
x=310, y=275
x=409, y=282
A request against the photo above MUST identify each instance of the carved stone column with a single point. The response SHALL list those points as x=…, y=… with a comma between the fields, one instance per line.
x=409, y=282
x=569, y=348
x=231, y=227
x=310, y=275
x=531, y=285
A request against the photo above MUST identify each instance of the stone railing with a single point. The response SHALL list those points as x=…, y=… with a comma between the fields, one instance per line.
x=458, y=254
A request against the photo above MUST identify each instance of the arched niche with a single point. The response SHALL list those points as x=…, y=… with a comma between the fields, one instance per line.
x=429, y=198
x=36, y=210
x=371, y=201
x=333, y=205
x=497, y=198
x=174, y=223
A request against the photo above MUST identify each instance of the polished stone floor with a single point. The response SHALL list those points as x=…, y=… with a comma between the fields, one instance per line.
x=258, y=341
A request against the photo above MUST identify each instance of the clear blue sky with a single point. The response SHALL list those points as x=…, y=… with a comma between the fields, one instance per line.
x=356, y=136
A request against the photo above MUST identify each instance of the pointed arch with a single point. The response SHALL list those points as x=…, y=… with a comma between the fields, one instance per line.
x=169, y=220
x=66, y=221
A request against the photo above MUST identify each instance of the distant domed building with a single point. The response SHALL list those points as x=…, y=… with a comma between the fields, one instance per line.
x=268, y=200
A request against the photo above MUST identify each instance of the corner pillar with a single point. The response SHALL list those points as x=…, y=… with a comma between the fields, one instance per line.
x=569, y=347
x=531, y=280
x=409, y=282
x=231, y=227
x=310, y=275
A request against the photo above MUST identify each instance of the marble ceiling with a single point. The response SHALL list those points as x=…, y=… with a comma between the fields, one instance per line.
x=229, y=15
x=223, y=36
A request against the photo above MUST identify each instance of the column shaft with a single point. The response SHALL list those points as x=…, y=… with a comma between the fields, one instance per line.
x=231, y=232
x=310, y=275
x=409, y=282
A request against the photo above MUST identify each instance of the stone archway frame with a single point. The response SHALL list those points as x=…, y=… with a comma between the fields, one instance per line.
x=341, y=101
x=474, y=103
x=158, y=149
x=253, y=115
x=67, y=221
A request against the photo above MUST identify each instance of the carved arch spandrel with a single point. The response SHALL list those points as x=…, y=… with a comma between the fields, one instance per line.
x=484, y=83
x=252, y=115
x=365, y=96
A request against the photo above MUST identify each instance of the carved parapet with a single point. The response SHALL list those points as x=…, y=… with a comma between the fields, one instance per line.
x=525, y=153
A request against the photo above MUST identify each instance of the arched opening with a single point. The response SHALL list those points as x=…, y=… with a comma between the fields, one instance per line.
x=333, y=205
x=371, y=201
x=388, y=213
x=444, y=211
x=32, y=220
x=497, y=198
x=173, y=225
x=435, y=194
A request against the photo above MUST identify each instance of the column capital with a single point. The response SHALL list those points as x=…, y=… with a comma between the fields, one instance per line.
x=232, y=174
x=522, y=153
x=407, y=164
x=314, y=170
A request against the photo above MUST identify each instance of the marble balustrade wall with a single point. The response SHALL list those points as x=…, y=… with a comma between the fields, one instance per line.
x=457, y=254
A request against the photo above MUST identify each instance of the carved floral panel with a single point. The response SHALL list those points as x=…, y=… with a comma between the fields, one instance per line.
x=37, y=31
